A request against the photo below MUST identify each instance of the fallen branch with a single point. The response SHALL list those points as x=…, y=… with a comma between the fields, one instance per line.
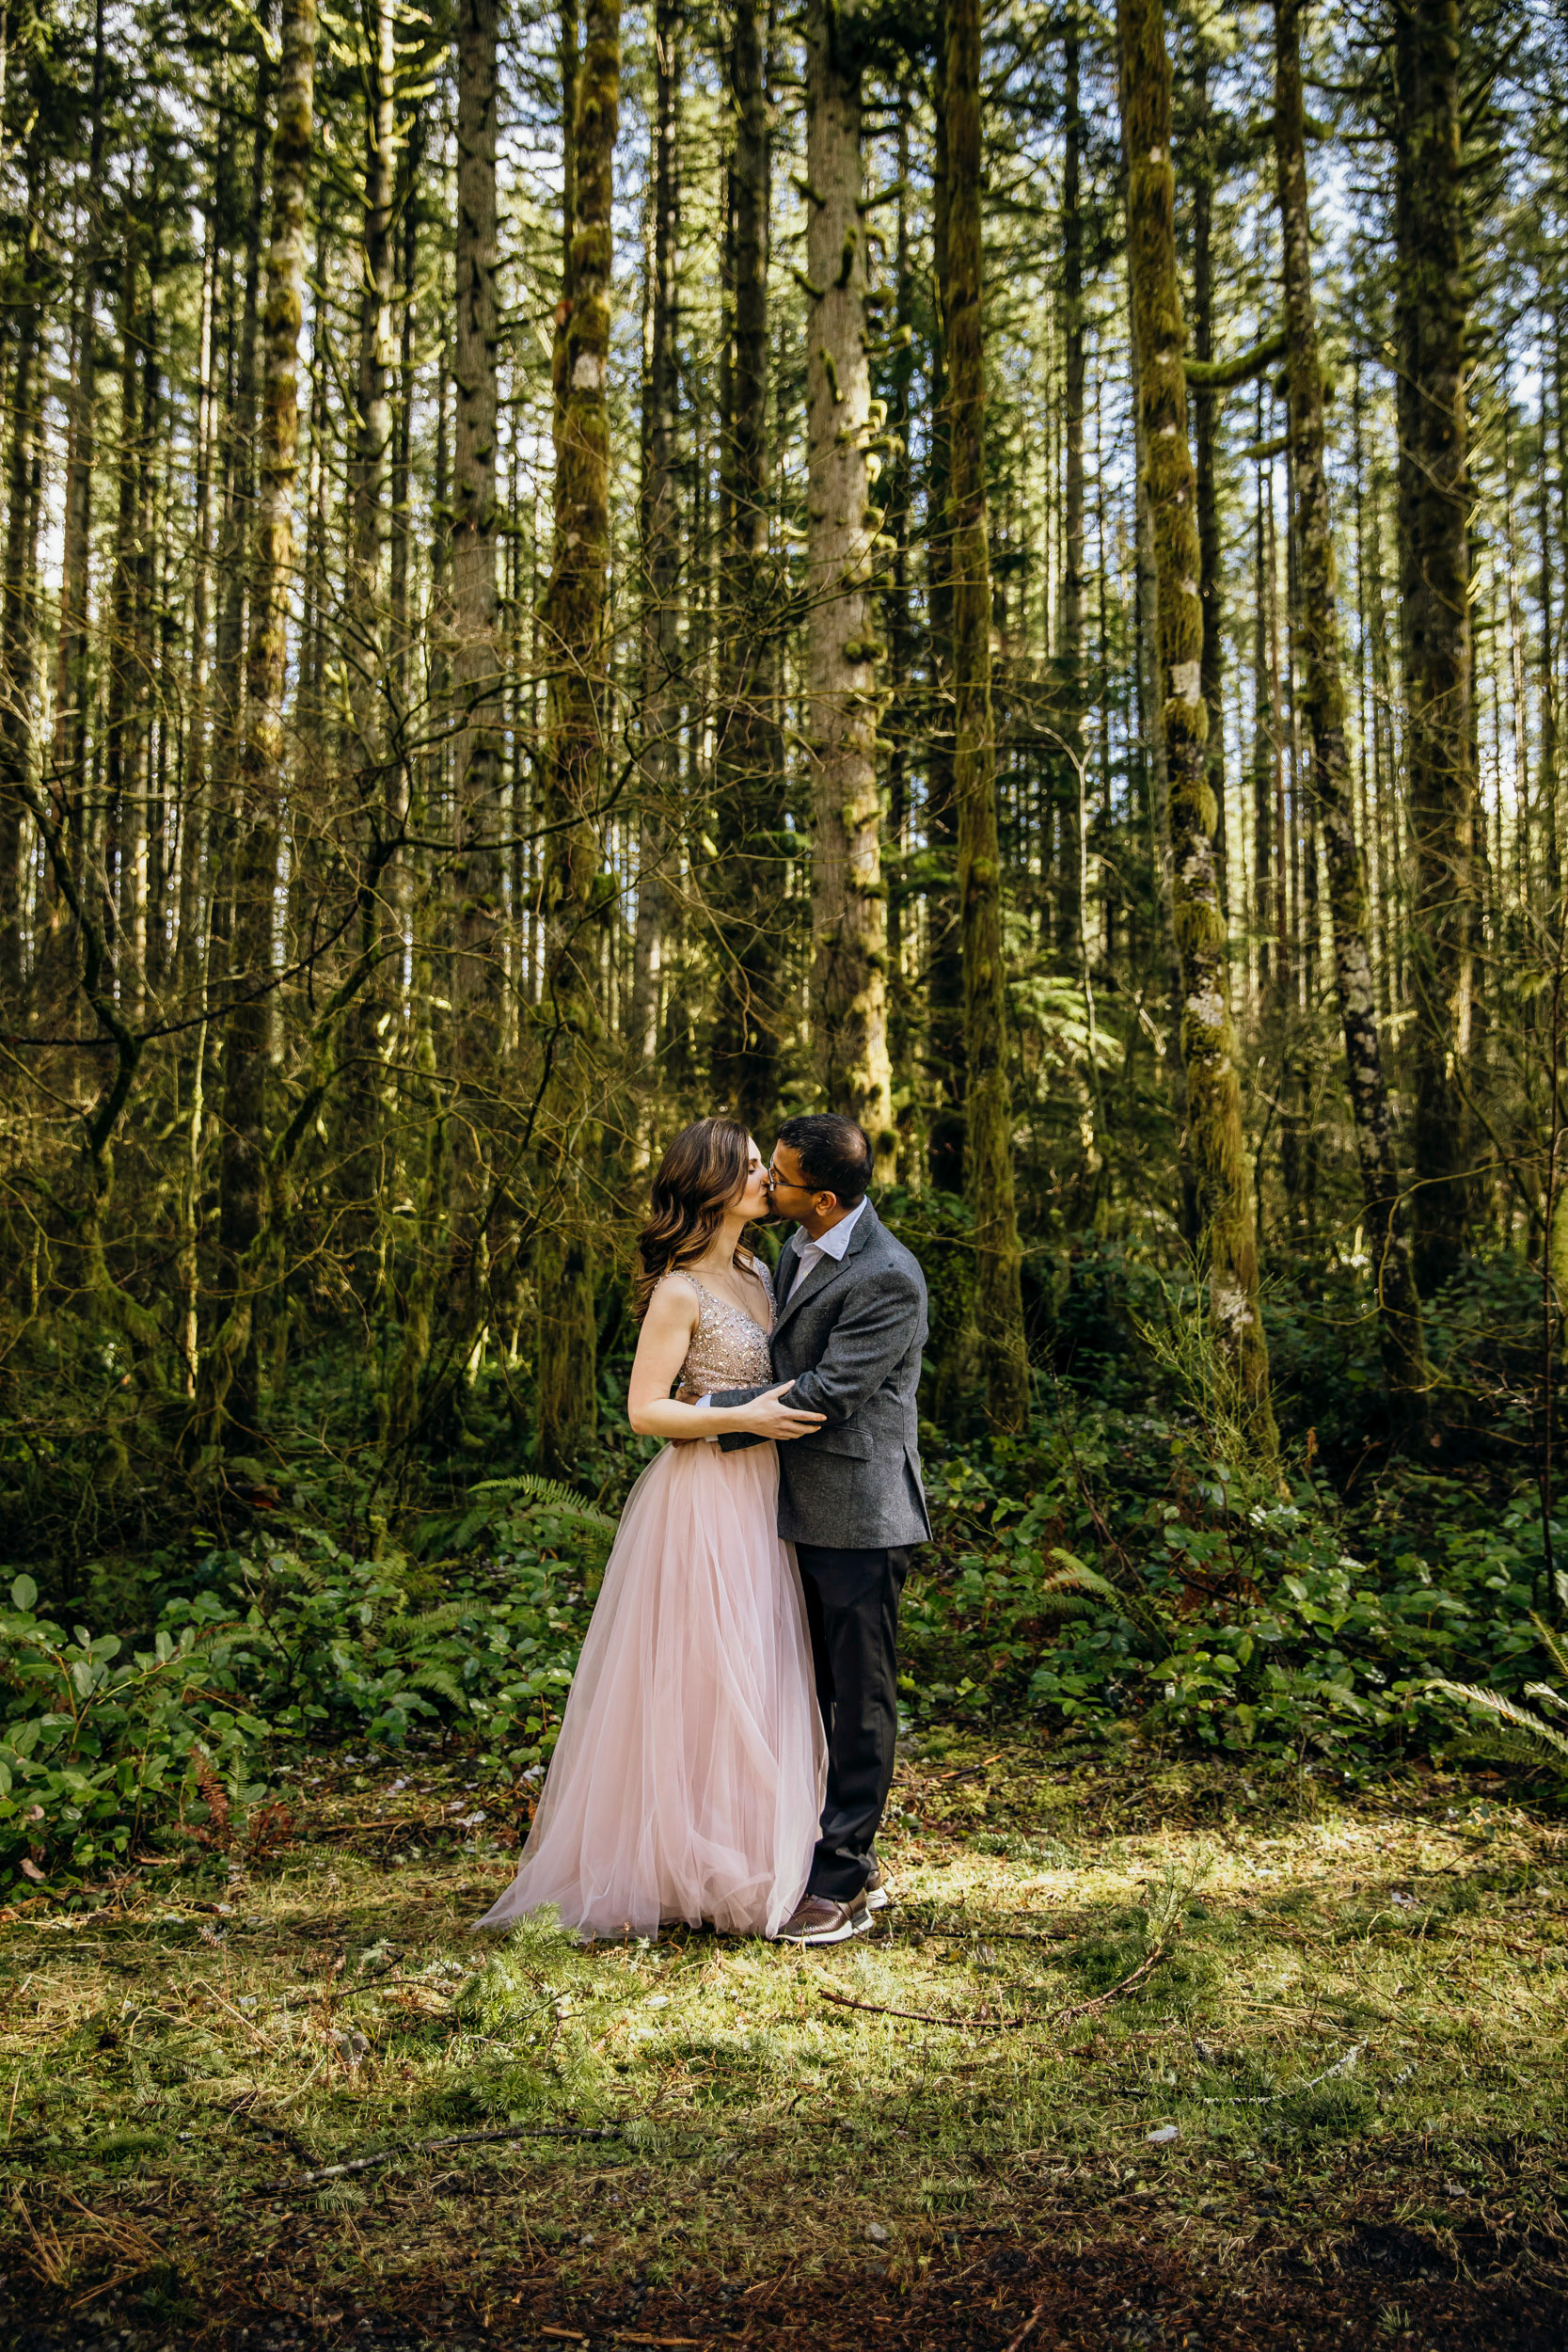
x=922, y=2017
x=447, y=2139
x=1007, y=2024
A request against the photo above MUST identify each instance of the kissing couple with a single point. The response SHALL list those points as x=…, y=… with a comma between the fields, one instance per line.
x=728, y=1742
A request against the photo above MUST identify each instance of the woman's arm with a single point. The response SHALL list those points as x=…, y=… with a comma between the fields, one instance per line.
x=661, y=1350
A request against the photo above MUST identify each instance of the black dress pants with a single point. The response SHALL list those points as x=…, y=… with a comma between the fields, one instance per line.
x=852, y=1609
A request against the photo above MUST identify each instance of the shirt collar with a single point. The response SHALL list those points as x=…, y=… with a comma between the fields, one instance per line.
x=835, y=1241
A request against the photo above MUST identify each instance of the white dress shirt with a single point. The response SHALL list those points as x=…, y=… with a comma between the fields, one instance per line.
x=832, y=1244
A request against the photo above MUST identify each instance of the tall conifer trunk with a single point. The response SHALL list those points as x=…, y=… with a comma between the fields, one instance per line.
x=476, y=651
x=849, y=903
x=1073, y=810
x=750, y=766
x=1432, y=318
x=901, y=642
x=18, y=622
x=123, y=695
x=944, y=963
x=988, y=1154
x=230, y=1385
x=660, y=527
x=76, y=665
x=1204, y=424
x=239, y=480
x=366, y=618
x=1332, y=785
x=1213, y=1118
x=573, y=633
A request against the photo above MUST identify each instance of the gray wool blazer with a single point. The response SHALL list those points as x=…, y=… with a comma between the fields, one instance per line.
x=849, y=1339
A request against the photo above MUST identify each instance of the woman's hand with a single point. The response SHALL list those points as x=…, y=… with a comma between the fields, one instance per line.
x=767, y=1417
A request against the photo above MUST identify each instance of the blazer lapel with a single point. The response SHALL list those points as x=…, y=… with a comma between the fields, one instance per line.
x=783, y=1279
x=865, y=1225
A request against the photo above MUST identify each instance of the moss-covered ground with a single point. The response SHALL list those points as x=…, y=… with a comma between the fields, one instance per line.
x=1144, y=2053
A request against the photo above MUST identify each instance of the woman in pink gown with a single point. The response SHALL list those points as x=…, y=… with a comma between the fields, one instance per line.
x=686, y=1782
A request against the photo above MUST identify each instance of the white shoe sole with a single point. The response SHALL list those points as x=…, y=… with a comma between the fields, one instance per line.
x=879, y=1900
x=860, y=1924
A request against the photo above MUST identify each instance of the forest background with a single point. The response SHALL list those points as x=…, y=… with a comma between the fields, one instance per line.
x=1000, y=570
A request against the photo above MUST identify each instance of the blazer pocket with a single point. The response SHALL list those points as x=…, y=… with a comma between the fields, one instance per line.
x=858, y=1444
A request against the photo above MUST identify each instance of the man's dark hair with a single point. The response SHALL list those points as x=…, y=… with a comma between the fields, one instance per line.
x=833, y=1154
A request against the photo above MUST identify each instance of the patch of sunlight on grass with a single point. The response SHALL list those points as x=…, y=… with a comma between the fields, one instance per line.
x=1372, y=1985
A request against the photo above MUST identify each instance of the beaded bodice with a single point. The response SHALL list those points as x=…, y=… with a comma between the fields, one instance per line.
x=729, y=1349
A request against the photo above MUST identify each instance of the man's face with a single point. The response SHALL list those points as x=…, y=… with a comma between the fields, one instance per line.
x=790, y=1196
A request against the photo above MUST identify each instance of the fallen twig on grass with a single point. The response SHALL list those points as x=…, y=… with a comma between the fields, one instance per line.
x=447, y=2139
x=923, y=2017
x=238, y=2015
x=1271, y=2098
x=1031, y=2323
x=1007, y=2024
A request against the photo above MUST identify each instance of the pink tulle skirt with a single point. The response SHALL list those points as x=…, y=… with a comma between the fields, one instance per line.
x=686, y=1783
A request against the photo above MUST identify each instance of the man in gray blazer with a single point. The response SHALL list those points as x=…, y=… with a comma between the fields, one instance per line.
x=848, y=1327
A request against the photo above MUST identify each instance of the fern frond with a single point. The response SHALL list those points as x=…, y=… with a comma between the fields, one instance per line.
x=1493, y=1703
x=437, y=1678
x=554, y=1496
x=405, y=1632
x=1552, y=1644
x=1075, y=1575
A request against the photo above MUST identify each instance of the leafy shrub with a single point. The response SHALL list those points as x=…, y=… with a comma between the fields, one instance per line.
x=90, y=1747
x=298, y=1642
x=1236, y=1617
x=1515, y=1733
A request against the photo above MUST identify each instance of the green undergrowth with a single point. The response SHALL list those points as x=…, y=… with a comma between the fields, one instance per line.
x=1113, y=1573
x=1203, y=1992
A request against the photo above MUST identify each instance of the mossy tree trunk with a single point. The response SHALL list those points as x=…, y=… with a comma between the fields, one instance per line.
x=1205, y=407
x=659, y=763
x=1071, y=809
x=988, y=1142
x=370, y=1037
x=18, y=622
x=75, y=624
x=944, y=1039
x=579, y=720
x=1405, y=1366
x=476, y=680
x=1432, y=322
x=848, y=899
x=248, y=1222
x=903, y=650
x=752, y=1007
x=1213, y=1110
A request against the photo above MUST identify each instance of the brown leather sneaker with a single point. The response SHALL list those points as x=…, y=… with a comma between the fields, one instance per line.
x=818, y=1921
x=876, y=1895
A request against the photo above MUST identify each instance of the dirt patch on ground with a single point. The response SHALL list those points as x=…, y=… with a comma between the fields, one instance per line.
x=1051, y=2281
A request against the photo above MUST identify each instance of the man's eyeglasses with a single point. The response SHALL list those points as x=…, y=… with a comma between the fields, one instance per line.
x=782, y=1184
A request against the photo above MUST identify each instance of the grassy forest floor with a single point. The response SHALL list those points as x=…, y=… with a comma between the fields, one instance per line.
x=1195, y=2059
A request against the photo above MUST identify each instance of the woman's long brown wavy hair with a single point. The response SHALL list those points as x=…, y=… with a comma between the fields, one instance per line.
x=698, y=1178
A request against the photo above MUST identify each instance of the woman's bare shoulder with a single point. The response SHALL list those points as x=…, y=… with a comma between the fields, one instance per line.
x=676, y=1295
